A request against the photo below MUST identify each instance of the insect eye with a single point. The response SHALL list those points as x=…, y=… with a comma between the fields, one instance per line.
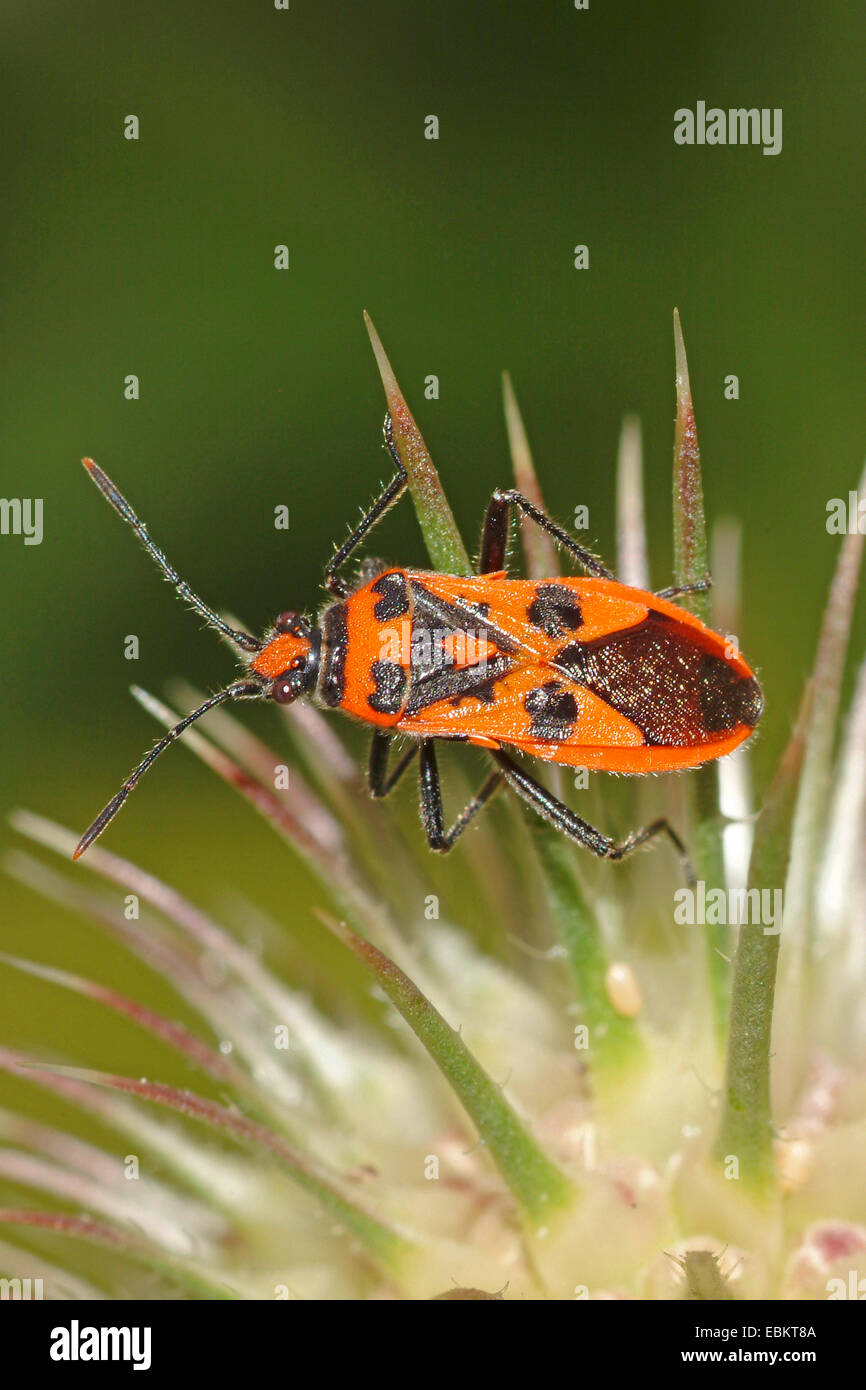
x=290, y=622
x=289, y=685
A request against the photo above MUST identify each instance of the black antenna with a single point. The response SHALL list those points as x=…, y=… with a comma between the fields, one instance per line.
x=120, y=505
x=237, y=691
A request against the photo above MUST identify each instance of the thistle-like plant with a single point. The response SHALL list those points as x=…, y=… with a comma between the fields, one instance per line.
x=580, y=1093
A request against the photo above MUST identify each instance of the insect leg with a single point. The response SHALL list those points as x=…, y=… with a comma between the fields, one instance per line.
x=676, y=590
x=386, y=499
x=494, y=537
x=439, y=838
x=564, y=819
x=379, y=780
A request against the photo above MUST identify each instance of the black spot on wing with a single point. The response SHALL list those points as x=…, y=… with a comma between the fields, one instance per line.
x=574, y=659
x=483, y=691
x=390, y=679
x=437, y=628
x=436, y=614
x=553, y=710
x=456, y=683
x=395, y=596
x=555, y=609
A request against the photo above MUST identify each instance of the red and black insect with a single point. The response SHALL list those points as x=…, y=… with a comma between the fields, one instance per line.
x=586, y=672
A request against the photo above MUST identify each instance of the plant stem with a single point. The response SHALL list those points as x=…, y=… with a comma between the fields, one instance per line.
x=746, y=1128
x=615, y=1042
x=690, y=567
x=538, y=1185
x=438, y=527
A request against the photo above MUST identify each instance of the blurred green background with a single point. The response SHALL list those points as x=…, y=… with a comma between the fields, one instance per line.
x=306, y=127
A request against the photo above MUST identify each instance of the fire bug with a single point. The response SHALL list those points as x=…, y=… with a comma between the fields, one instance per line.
x=586, y=672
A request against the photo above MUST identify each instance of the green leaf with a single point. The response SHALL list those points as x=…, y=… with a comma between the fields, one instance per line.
x=690, y=567
x=746, y=1127
x=810, y=819
x=197, y=1281
x=173, y=1034
x=381, y=1241
x=537, y=1184
x=690, y=532
x=438, y=527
